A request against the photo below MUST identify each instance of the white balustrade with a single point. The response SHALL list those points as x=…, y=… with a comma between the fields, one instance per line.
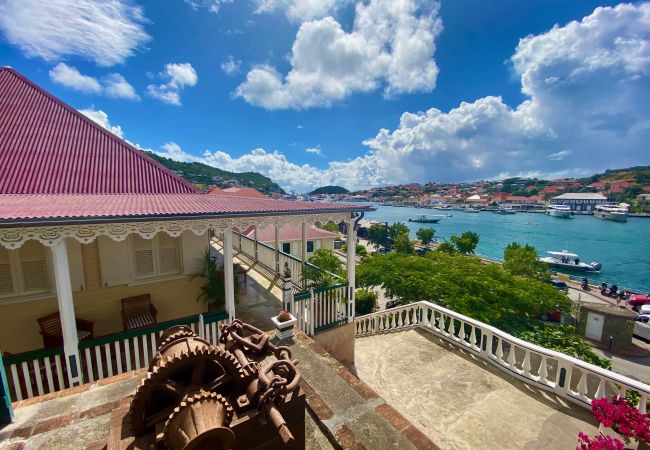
x=550, y=370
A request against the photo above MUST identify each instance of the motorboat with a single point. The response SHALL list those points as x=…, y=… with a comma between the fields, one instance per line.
x=471, y=210
x=557, y=210
x=425, y=219
x=568, y=261
x=504, y=211
x=612, y=211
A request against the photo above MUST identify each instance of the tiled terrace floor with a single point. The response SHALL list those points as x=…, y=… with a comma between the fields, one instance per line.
x=257, y=300
x=461, y=402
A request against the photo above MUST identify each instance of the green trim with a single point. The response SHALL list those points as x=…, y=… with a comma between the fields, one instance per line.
x=215, y=316
x=329, y=288
x=301, y=296
x=30, y=356
x=336, y=323
x=138, y=332
x=6, y=411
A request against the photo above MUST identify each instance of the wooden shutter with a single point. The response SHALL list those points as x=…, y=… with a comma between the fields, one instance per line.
x=168, y=254
x=114, y=264
x=33, y=265
x=143, y=257
x=192, y=248
x=6, y=281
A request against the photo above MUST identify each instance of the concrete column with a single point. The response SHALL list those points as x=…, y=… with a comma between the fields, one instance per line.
x=229, y=279
x=277, y=249
x=66, y=312
x=351, y=266
x=303, y=251
x=255, y=238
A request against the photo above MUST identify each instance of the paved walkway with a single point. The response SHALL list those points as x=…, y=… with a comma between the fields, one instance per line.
x=257, y=300
x=462, y=402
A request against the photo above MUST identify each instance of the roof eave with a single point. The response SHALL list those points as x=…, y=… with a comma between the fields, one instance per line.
x=61, y=221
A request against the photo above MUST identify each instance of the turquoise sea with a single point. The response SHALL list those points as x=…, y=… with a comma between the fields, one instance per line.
x=622, y=248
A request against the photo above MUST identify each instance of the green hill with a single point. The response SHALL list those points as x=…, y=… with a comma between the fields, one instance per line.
x=329, y=190
x=203, y=175
x=638, y=174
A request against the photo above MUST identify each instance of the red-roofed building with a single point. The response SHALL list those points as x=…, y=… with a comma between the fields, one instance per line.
x=290, y=238
x=600, y=185
x=646, y=188
x=86, y=219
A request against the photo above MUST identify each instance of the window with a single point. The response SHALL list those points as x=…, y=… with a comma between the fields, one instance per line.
x=286, y=247
x=24, y=271
x=155, y=257
x=310, y=246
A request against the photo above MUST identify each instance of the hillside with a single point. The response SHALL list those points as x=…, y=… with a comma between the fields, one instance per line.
x=203, y=175
x=329, y=190
x=638, y=174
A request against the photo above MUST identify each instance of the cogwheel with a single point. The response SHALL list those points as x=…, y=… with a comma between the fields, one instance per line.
x=174, y=333
x=166, y=385
x=176, y=344
x=200, y=422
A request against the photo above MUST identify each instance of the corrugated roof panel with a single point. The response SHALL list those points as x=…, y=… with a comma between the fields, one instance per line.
x=47, y=147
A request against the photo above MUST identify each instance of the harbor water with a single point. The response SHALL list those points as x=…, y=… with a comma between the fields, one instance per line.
x=623, y=249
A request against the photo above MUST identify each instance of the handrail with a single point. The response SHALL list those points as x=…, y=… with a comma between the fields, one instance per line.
x=31, y=355
x=570, y=360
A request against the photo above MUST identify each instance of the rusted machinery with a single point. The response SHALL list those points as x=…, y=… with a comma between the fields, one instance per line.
x=241, y=394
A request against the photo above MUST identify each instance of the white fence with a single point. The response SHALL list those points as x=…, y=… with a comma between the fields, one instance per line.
x=550, y=370
x=321, y=308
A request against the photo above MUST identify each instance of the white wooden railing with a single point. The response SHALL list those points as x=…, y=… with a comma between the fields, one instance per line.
x=321, y=308
x=44, y=371
x=550, y=370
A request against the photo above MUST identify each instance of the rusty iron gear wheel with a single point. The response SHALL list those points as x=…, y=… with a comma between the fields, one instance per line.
x=175, y=333
x=172, y=379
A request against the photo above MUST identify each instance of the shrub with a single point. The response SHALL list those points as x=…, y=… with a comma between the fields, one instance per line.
x=365, y=302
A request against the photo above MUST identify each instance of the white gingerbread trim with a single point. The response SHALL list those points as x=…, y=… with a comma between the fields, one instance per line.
x=13, y=238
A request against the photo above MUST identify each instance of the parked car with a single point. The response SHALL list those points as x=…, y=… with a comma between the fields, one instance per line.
x=638, y=300
x=559, y=284
x=423, y=251
x=642, y=326
x=393, y=304
x=383, y=250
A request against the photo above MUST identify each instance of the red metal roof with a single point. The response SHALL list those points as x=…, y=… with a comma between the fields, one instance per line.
x=68, y=207
x=243, y=192
x=289, y=232
x=48, y=147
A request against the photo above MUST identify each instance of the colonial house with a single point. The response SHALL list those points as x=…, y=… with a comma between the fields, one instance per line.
x=581, y=201
x=96, y=238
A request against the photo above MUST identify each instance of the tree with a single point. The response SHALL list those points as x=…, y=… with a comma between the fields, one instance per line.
x=396, y=229
x=446, y=247
x=425, y=235
x=365, y=302
x=329, y=226
x=403, y=244
x=465, y=243
x=377, y=234
x=322, y=268
x=524, y=261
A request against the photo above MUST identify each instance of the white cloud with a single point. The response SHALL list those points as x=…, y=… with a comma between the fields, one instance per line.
x=105, y=32
x=314, y=150
x=214, y=6
x=391, y=45
x=177, y=76
x=101, y=118
x=112, y=85
x=300, y=10
x=70, y=77
x=559, y=156
x=231, y=66
x=116, y=86
x=300, y=127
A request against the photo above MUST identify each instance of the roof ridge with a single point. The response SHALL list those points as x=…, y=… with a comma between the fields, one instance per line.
x=135, y=151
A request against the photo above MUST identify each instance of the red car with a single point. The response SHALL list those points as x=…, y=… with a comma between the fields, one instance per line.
x=637, y=300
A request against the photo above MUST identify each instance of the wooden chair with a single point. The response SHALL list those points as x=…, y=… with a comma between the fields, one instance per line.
x=138, y=312
x=53, y=334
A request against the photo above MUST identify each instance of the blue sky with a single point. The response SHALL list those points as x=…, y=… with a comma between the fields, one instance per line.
x=357, y=93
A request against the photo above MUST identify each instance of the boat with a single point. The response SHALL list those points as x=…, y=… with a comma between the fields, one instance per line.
x=504, y=211
x=568, y=261
x=471, y=210
x=557, y=210
x=425, y=219
x=612, y=211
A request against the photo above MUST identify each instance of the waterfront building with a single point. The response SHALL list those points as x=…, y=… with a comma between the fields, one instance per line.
x=580, y=201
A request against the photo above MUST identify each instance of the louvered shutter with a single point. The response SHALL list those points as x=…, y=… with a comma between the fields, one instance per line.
x=168, y=254
x=143, y=257
x=33, y=264
x=114, y=262
x=6, y=281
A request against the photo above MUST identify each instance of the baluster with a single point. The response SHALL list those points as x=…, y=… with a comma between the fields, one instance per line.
x=145, y=350
x=89, y=365
x=472, y=337
x=59, y=371
x=452, y=328
x=118, y=356
x=127, y=354
x=499, y=353
x=28, y=380
x=582, y=386
x=152, y=337
x=622, y=392
x=600, y=392
x=48, y=374
x=399, y=318
x=136, y=352
x=512, y=360
x=100, y=367
x=14, y=376
x=37, y=373
x=643, y=401
x=543, y=372
x=526, y=365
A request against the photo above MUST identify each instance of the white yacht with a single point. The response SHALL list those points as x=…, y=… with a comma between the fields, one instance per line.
x=557, y=210
x=566, y=260
x=612, y=211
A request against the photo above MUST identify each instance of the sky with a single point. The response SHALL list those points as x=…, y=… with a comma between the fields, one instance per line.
x=357, y=93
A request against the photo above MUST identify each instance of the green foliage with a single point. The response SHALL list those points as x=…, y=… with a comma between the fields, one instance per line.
x=446, y=247
x=524, y=261
x=486, y=292
x=396, y=229
x=377, y=234
x=329, y=226
x=403, y=244
x=465, y=243
x=360, y=249
x=213, y=290
x=425, y=235
x=327, y=264
x=329, y=190
x=365, y=302
x=204, y=175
